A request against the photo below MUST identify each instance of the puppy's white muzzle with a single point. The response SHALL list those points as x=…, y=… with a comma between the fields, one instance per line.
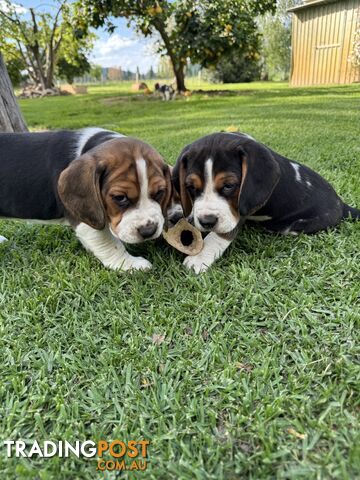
x=138, y=225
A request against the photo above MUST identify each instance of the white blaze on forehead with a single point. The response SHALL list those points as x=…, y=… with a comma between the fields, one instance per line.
x=209, y=183
x=141, y=169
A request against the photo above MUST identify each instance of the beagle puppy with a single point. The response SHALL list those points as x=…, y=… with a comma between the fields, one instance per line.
x=166, y=91
x=224, y=179
x=109, y=188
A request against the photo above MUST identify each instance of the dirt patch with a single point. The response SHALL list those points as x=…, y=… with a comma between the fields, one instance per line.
x=110, y=101
x=223, y=93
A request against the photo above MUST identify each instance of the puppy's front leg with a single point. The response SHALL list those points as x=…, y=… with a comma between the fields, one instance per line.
x=109, y=250
x=214, y=247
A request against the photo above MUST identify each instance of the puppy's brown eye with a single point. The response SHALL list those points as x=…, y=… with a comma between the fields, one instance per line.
x=121, y=200
x=191, y=190
x=228, y=189
x=159, y=195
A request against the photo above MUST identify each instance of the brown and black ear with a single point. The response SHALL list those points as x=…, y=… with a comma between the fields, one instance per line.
x=178, y=179
x=79, y=191
x=260, y=175
x=169, y=190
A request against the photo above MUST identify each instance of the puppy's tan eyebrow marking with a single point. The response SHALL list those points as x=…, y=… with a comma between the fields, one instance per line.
x=194, y=180
x=225, y=177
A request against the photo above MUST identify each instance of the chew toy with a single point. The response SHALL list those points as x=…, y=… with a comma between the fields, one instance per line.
x=184, y=237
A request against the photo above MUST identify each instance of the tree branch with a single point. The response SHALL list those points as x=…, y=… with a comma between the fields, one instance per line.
x=36, y=48
x=27, y=60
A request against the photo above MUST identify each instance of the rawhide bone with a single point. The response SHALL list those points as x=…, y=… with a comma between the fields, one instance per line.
x=184, y=237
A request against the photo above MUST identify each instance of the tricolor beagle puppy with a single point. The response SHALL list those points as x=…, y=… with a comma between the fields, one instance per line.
x=108, y=187
x=166, y=91
x=224, y=179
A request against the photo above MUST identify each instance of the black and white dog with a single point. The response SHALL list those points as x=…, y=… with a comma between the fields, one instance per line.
x=224, y=179
x=109, y=188
x=166, y=91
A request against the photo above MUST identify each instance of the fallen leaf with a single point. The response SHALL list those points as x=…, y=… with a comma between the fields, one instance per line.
x=222, y=432
x=161, y=367
x=158, y=339
x=244, y=366
x=231, y=128
x=246, y=447
x=205, y=335
x=145, y=383
x=296, y=434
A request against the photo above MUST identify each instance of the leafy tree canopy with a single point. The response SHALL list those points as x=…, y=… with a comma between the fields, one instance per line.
x=75, y=68
x=202, y=31
x=39, y=39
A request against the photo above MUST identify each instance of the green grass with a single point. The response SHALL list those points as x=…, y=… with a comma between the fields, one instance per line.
x=265, y=341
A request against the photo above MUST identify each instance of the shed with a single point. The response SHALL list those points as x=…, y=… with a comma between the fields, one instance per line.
x=323, y=35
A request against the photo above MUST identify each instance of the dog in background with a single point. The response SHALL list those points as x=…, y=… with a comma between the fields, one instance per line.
x=109, y=188
x=225, y=179
x=167, y=92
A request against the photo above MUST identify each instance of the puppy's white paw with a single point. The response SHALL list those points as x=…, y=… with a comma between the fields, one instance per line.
x=135, y=263
x=196, y=263
x=3, y=239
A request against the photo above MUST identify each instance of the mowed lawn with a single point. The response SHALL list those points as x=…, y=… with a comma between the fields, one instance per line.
x=247, y=371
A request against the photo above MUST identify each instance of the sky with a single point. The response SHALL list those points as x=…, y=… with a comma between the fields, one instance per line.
x=124, y=48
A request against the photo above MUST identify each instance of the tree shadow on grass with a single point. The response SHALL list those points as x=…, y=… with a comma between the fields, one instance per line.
x=281, y=92
x=122, y=98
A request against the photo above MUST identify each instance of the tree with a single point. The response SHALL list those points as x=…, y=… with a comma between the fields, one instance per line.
x=238, y=67
x=276, y=44
x=69, y=71
x=42, y=38
x=15, y=65
x=200, y=30
x=150, y=74
x=164, y=69
x=16, y=70
x=96, y=72
x=11, y=119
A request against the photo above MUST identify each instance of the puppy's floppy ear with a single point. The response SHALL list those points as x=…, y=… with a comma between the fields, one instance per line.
x=167, y=199
x=79, y=190
x=260, y=175
x=178, y=177
x=169, y=191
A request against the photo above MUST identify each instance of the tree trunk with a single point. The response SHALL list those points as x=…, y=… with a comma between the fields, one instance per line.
x=180, y=77
x=11, y=119
x=50, y=67
x=178, y=67
x=49, y=83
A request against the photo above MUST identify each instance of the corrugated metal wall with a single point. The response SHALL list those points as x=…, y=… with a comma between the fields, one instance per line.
x=322, y=41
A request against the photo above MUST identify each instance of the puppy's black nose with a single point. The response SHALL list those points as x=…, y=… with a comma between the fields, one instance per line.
x=208, y=221
x=147, y=231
